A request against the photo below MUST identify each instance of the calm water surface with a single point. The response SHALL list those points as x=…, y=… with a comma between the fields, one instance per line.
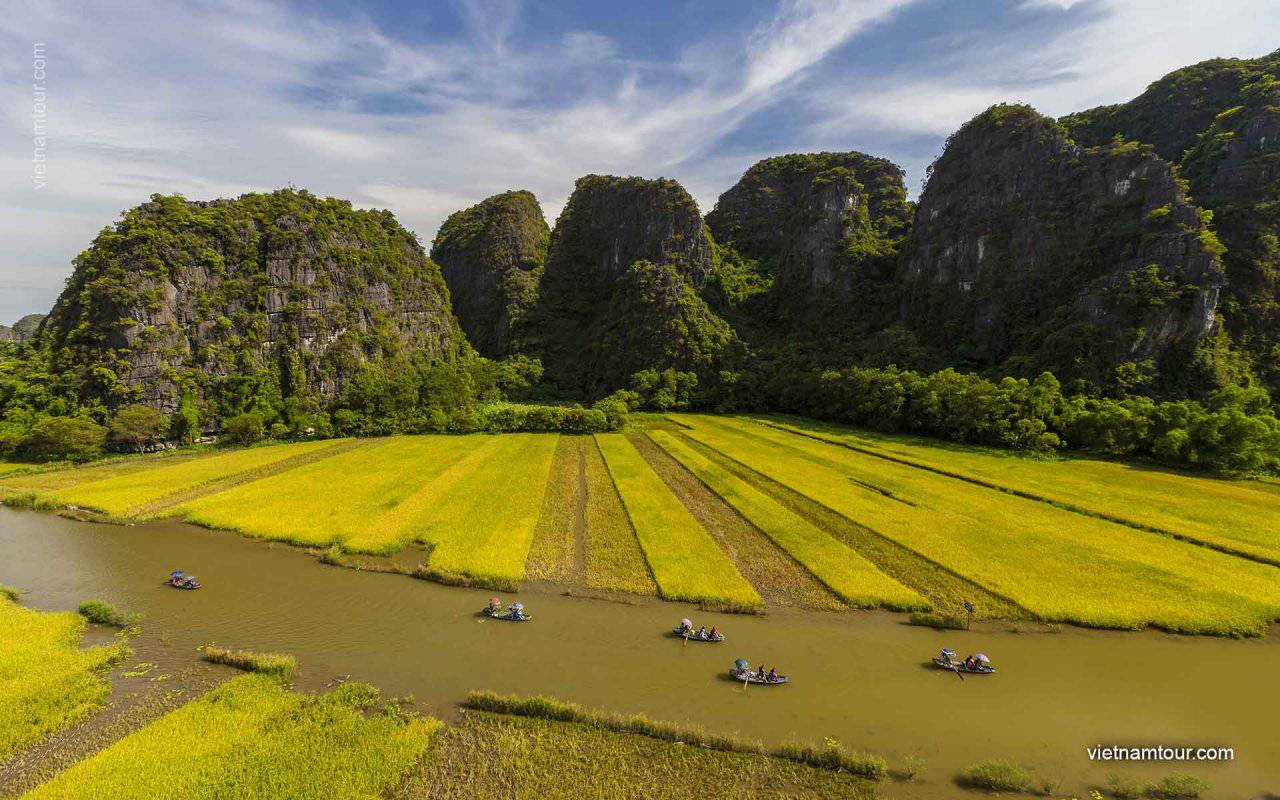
x=857, y=677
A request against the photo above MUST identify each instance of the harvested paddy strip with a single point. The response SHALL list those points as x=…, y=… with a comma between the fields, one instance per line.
x=331, y=500
x=942, y=588
x=1058, y=565
x=852, y=578
x=687, y=563
x=46, y=681
x=129, y=494
x=492, y=756
x=251, y=737
x=559, y=541
x=777, y=576
x=482, y=529
x=1232, y=516
x=614, y=560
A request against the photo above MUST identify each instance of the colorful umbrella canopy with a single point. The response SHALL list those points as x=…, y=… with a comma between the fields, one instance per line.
x=948, y=653
x=742, y=663
x=686, y=623
x=983, y=658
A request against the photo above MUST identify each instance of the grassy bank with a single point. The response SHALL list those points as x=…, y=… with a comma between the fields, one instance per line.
x=830, y=756
x=490, y=757
x=46, y=681
x=251, y=737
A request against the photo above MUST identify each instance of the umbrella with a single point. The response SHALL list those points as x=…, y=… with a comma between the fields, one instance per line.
x=517, y=605
x=983, y=658
x=742, y=663
x=686, y=623
x=948, y=652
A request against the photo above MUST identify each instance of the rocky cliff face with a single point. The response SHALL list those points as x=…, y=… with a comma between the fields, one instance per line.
x=591, y=289
x=809, y=220
x=282, y=293
x=23, y=331
x=491, y=256
x=1031, y=252
x=1217, y=120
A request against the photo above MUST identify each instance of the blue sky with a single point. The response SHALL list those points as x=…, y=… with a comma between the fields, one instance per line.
x=427, y=107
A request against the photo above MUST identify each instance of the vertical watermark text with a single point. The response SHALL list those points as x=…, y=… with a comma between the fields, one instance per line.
x=39, y=117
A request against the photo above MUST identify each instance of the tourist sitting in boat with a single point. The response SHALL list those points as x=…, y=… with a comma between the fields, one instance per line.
x=773, y=675
x=761, y=674
x=495, y=605
x=970, y=662
x=714, y=633
x=517, y=611
x=702, y=632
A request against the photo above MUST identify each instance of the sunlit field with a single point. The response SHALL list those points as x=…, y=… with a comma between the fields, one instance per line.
x=47, y=681
x=1234, y=515
x=686, y=562
x=1056, y=564
x=854, y=580
x=333, y=499
x=130, y=493
x=252, y=737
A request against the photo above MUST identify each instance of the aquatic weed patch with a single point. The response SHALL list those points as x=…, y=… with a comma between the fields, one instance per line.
x=687, y=564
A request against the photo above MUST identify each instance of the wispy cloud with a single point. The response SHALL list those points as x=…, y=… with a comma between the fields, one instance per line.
x=434, y=109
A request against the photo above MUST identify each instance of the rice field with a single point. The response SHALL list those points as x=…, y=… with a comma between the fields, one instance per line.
x=1056, y=564
x=252, y=737
x=614, y=560
x=127, y=494
x=47, y=682
x=302, y=505
x=853, y=579
x=686, y=562
x=1237, y=516
x=481, y=530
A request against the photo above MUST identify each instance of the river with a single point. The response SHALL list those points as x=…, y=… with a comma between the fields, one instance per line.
x=858, y=677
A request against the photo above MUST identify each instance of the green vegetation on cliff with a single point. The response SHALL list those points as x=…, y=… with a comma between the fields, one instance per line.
x=491, y=256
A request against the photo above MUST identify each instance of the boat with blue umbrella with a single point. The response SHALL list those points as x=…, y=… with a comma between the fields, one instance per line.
x=742, y=671
x=179, y=579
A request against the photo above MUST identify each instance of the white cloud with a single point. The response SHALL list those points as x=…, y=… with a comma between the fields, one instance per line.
x=218, y=97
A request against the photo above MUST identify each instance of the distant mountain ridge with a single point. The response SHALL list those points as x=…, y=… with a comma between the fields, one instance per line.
x=1132, y=249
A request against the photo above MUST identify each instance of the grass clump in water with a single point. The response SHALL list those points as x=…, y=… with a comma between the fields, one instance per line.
x=280, y=665
x=1177, y=785
x=997, y=776
x=10, y=592
x=832, y=755
x=928, y=619
x=101, y=612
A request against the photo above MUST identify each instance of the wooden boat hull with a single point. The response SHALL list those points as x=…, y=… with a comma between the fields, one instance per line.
x=750, y=676
x=958, y=666
x=693, y=637
x=505, y=616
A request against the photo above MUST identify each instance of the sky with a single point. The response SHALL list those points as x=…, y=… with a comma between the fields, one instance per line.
x=427, y=107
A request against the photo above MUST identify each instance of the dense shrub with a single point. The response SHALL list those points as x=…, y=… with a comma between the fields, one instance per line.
x=136, y=426
x=73, y=438
x=997, y=776
x=511, y=417
x=245, y=428
x=103, y=613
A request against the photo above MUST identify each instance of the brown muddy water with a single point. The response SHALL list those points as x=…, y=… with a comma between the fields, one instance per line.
x=858, y=677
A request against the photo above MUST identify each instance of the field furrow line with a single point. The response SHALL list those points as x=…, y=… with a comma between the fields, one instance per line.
x=1024, y=494
x=780, y=579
